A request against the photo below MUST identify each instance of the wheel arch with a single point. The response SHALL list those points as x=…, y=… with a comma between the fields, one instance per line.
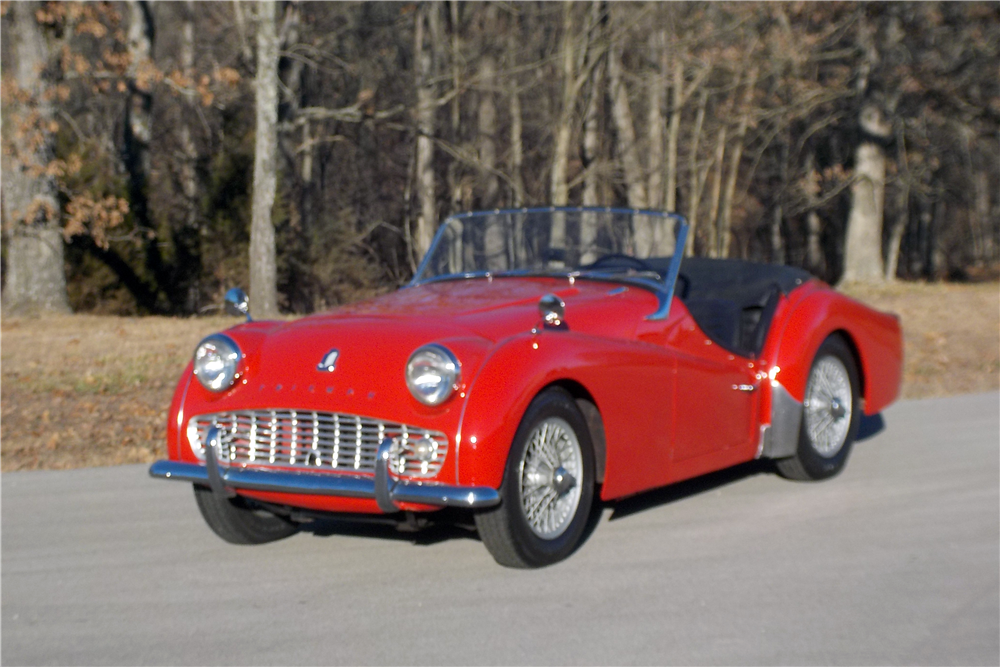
x=591, y=415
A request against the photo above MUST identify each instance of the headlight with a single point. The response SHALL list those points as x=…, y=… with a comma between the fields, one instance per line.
x=215, y=362
x=432, y=374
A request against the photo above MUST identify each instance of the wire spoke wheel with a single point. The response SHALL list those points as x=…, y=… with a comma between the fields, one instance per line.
x=549, y=470
x=830, y=414
x=548, y=486
x=828, y=406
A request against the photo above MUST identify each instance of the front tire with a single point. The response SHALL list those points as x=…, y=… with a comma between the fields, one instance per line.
x=548, y=486
x=830, y=415
x=238, y=522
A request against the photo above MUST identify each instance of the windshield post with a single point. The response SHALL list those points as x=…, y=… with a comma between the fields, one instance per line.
x=670, y=281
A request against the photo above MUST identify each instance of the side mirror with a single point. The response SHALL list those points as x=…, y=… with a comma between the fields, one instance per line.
x=238, y=303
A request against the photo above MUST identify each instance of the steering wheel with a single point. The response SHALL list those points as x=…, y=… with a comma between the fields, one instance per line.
x=618, y=260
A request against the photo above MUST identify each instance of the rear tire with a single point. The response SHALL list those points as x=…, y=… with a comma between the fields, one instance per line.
x=236, y=521
x=548, y=486
x=830, y=415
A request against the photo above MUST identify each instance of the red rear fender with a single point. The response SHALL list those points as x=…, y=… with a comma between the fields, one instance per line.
x=875, y=337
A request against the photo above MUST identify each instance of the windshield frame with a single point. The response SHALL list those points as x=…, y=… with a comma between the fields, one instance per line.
x=664, y=289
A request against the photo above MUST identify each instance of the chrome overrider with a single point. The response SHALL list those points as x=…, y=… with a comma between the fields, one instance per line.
x=387, y=491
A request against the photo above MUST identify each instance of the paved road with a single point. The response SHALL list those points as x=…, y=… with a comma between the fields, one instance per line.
x=895, y=561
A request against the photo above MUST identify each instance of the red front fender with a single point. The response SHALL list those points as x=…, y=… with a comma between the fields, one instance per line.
x=632, y=385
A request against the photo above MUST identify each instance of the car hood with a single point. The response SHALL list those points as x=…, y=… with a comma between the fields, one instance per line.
x=374, y=340
x=497, y=308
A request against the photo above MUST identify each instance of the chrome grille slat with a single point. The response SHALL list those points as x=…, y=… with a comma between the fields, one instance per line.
x=313, y=440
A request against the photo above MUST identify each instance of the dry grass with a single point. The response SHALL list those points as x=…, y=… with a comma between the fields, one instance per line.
x=951, y=334
x=86, y=390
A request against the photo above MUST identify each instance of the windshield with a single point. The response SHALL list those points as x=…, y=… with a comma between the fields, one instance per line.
x=553, y=241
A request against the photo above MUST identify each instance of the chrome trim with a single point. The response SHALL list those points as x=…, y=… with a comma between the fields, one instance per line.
x=329, y=362
x=213, y=442
x=764, y=428
x=383, y=490
x=553, y=310
x=666, y=293
x=332, y=484
x=782, y=439
x=310, y=440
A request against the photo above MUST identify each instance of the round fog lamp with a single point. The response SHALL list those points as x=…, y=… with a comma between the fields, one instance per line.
x=424, y=450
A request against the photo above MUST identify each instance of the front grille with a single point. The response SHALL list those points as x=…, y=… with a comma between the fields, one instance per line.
x=312, y=440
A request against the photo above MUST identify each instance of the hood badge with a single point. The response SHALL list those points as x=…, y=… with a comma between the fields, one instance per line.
x=329, y=362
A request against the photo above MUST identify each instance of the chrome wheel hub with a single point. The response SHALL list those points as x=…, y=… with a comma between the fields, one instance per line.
x=828, y=406
x=550, y=467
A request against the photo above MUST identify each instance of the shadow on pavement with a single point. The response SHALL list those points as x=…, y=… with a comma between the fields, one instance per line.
x=435, y=528
x=688, y=488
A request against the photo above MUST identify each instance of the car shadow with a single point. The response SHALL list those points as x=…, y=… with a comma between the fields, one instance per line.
x=869, y=427
x=457, y=524
x=682, y=490
x=434, y=528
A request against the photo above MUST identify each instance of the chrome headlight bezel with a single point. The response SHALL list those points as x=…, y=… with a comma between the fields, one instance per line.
x=217, y=362
x=433, y=374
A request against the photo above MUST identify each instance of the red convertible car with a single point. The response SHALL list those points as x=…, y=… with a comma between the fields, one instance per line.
x=539, y=359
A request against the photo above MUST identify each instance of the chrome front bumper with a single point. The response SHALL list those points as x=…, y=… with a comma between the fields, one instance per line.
x=383, y=488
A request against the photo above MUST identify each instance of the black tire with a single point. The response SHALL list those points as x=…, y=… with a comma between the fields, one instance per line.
x=822, y=453
x=552, y=422
x=238, y=522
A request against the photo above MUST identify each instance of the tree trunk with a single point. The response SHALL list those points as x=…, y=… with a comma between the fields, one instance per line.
x=814, y=226
x=863, y=243
x=138, y=132
x=516, y=119
x=713, y=212
x=263, y=264
x=487, y=117
x=656, y=119
x=673, y=135
x=628, y=153
x=896, y=233
x=35, y=275
x=426, y=21
x=190, y=233
x=863, y=246
x=726, y=219
x=592, y=143
x=516, y=148
x=698, y=174
x=627, y=146
x=559, y=189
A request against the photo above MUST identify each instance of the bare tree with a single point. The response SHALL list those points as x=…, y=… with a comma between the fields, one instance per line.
x=35, y=277
x=426, y=33
x=263, y=263
x=863, y=246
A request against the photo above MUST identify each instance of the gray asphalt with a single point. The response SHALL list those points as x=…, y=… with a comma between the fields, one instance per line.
x=896, y=561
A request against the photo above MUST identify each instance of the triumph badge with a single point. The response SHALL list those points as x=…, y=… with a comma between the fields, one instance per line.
x=329, y=362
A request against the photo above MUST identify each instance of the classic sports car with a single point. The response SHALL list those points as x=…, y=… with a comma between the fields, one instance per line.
x=538, y=357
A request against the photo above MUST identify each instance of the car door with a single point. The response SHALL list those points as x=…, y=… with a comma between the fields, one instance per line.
x=716, y=395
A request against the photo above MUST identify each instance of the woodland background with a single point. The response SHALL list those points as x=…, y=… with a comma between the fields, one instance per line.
x=157, y=153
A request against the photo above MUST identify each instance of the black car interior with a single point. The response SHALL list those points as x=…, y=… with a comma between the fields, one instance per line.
x=733, y=300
